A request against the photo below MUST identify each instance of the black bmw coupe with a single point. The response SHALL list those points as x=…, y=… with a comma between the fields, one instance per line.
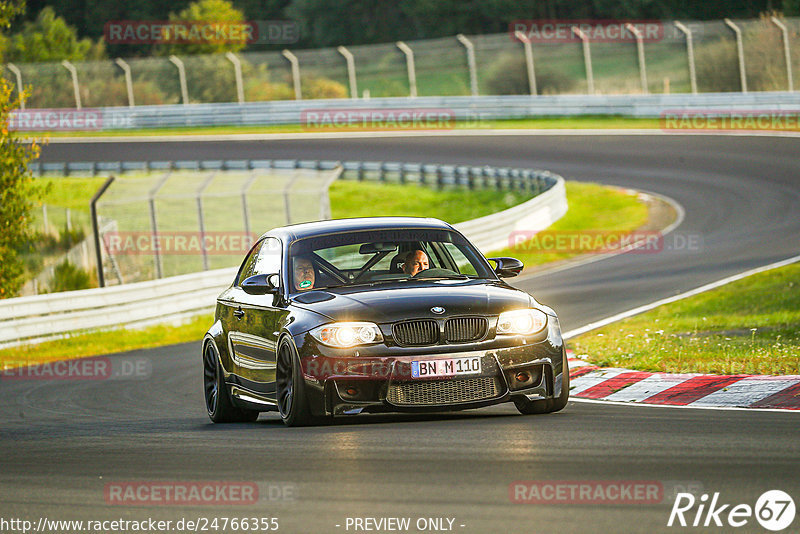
x=340, y=317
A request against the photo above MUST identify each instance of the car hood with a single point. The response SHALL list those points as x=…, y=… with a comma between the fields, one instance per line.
x=392, y=302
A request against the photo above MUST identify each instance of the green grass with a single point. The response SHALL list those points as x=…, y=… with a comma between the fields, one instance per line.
x=87, y=344
x=366, y=199
x=71, y=192
x=592, y=208
x=750, y=326
x=584, y=122
x=348, y=199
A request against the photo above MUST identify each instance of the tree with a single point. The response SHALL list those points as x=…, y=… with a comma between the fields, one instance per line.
x=49, y=38
x=17, y=190
x=210, y=12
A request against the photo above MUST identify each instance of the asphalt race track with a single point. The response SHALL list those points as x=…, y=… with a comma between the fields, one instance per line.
x=64, y=441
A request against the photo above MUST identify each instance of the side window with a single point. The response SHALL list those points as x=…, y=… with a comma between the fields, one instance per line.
x=249, y=263
x=269, y=257
x=463, y=264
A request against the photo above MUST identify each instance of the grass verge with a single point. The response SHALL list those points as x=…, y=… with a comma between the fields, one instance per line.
x=106, y=342
x=348, y=199
x=751, y=326
x=583, y=122
x=594, y=210
x=369, y=199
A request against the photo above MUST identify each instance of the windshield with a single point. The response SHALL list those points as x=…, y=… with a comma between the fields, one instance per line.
x=372, y=257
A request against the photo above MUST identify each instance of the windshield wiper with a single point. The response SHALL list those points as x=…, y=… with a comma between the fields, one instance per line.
x=443, y=277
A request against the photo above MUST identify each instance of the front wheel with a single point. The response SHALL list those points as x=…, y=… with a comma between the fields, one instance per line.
x=529, y=407
x=290, y=388
x=219, y=405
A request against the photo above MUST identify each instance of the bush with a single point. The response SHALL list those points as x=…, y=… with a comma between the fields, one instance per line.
x=510, y=77
x=317, y=87
x=717, y=68
x=67, y=277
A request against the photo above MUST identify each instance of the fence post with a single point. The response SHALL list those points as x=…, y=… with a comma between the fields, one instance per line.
x=740, y=52
x=473, y=70
x=287, y=205
x=237, y=72
x=786, y=53
x=128, y=81
x=151, y=201
x=526, y=44
x=13, y=68
x=200, y=219
x=96, y=230
x=74, y=73
x=640, y=51
x=351, y=70
x=412, y=71
x=325, y=201
x=587, y=57
x=690, y=53
x=298, y=95
x=245, y=211
x=181, y=78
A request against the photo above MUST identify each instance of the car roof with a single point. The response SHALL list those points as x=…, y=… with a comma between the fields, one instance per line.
x=310, y=229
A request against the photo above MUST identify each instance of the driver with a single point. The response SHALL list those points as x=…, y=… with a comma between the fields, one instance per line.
x=303, y=271
x=415, y=261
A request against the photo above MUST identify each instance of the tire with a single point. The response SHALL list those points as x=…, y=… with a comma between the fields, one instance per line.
x=290, y=388
x=219, y=405
x=528, y=407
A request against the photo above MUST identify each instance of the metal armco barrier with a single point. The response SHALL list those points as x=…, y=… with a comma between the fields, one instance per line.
x=469, y=110
x=42, y=317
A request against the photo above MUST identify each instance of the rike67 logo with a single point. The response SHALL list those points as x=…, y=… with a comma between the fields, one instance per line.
x=774, y=510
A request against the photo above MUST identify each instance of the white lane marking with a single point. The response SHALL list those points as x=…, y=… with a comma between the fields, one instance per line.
x=646, y=388
x=575, y=363
x=680, y=296
x=591, y=379
x=747, y=391
x=188, y=137
x=682, y=406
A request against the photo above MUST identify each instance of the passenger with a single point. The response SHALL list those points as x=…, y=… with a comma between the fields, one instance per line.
x=416, y=261
x=303, y=271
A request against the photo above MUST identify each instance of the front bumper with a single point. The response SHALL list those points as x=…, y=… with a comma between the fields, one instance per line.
x=338, y=383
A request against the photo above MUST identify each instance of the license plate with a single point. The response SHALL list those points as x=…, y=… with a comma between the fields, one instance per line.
x=448, y=367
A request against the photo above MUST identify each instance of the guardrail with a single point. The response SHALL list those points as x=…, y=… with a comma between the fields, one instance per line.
x=41, y=317
x=435, y=174
x=471, y=110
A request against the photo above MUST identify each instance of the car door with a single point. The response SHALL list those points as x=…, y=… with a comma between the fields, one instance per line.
x=253, y=322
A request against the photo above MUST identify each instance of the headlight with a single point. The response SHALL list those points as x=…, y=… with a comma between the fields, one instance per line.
x=523, y=322
x=345, y=335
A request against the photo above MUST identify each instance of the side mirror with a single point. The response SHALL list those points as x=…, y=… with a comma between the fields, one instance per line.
x=261, y=284
x=507, y=267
